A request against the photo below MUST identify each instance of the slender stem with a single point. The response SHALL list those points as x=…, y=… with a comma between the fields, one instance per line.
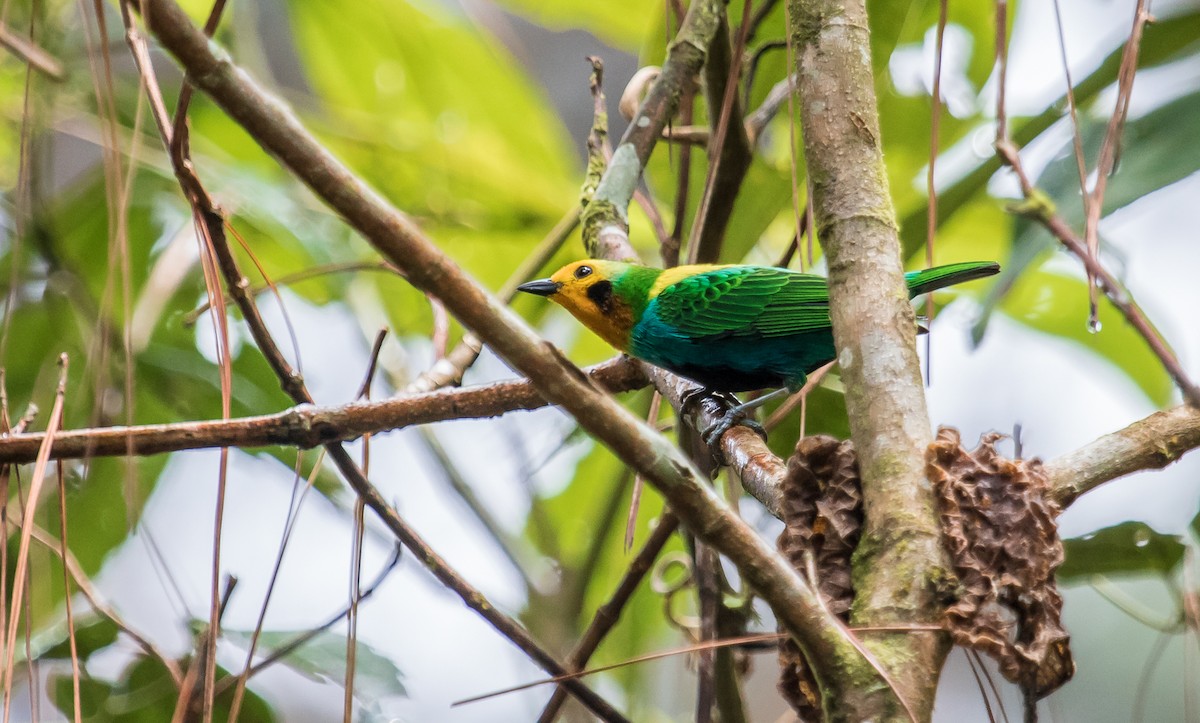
x=609, y=613
x=1039, y=209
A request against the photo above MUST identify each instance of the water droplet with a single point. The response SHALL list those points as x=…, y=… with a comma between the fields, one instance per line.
x=1094, y=326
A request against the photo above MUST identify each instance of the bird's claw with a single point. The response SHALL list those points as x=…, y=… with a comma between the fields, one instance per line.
x=712, y=433
x=689, y=401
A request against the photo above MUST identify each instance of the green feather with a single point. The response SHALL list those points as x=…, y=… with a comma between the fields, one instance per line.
x=746, y=301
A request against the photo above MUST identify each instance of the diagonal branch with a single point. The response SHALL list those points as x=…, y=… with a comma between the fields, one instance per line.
x=1150, y=443
x=395, y=236
x=212, y=223
x=1038, y=207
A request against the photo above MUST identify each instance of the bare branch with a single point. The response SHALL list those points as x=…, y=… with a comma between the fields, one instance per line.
x=1150, y=443
x=306, y=425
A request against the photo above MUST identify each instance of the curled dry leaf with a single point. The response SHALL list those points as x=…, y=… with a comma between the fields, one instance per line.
x=999, y=527
x=822, y=516
x=635, y=90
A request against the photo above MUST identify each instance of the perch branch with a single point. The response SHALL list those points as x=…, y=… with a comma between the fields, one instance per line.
x=305, y=425
x=167, y=20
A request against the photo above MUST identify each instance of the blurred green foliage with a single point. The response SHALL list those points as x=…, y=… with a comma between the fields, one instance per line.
x=428, y=103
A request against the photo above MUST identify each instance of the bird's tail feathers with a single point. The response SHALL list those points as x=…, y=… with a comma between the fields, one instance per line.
x=939, y=277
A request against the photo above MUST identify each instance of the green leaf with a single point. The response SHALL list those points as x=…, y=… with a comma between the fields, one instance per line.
x=434, y=113
x=1130, y=548
x=1156, y=152
x=92, y=633
x=323, y=659
x=1057, y=305
x=145, y=693
x=1165, y=40
x=620, y=23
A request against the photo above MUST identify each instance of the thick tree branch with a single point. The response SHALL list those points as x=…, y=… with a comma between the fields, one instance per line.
x=274, y=127
x=831, y=650
x=901, y=554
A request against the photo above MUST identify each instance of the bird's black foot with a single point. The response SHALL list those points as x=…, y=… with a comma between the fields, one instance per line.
x=737, y=415
x=689, y=402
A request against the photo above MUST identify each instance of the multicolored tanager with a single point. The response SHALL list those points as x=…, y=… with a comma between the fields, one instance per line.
x=730, y=328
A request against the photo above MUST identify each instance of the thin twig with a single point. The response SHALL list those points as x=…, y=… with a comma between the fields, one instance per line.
x=301, y=639
x=303, y=275
x=760, y=16
x=971, y=663
x=307, y=426
x=635, y=497
x=669, y=252
x=293, y=513
x=352, y=611
x=729, y=155
x=62, y=540
x=35, y=491
x=609, y=613
x=450, y=370
x=706, y=566
x=31, y=53
x=778, y=96
x=1038, y=207
x=89, y=592
x=1109, y=149
x=709, y=645
x=931, y=222
x=752, y=66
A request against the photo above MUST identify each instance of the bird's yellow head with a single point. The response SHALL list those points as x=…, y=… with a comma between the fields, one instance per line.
x=593, y=292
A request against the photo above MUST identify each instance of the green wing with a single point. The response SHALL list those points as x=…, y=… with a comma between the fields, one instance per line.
x=745, y=301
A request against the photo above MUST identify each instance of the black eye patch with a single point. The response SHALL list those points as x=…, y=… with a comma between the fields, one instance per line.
x=583, y=271
x=601, y=294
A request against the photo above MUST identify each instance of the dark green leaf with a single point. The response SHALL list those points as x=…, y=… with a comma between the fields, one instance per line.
x=90, y=636
x=1130, y=548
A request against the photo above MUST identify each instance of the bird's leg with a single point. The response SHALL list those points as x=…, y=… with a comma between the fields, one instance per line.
x=689, y=400
x=738, y=414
